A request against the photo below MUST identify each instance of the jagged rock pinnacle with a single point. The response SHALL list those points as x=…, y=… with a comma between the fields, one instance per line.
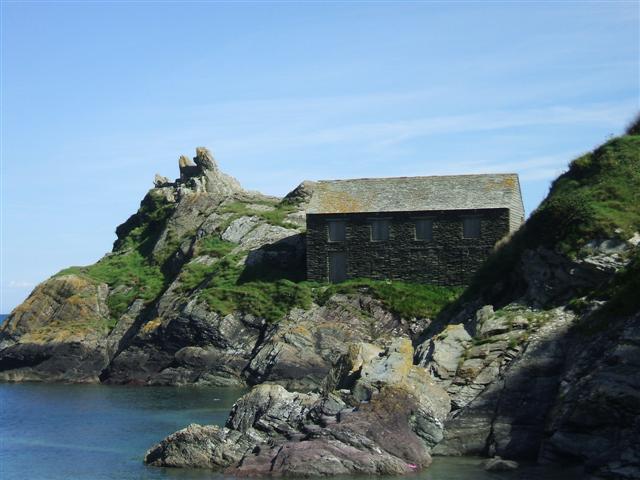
x=204, y=159
x=202, y=175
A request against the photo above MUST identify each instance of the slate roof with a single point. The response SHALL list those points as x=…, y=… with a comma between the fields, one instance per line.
x=401, y=194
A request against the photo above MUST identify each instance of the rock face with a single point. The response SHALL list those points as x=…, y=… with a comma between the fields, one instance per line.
x=144, y=313
x=203, y=176
x=597, y=410
x=58, y=334
x=271, y=431
x=300, y=350
x=545, y=384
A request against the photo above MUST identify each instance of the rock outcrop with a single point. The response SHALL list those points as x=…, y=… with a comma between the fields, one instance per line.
x=58, y=334
x=153, y=311
x=271, y=431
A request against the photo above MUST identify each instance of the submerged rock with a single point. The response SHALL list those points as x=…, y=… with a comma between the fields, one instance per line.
x=498, y=464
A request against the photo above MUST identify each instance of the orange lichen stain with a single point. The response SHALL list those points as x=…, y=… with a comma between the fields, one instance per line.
x=151, y=325
x=339, y=202
x=504, y=183
x=509, y=182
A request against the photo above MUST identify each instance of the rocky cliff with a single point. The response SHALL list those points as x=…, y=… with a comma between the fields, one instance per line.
x=536, y=360
x=205, y=285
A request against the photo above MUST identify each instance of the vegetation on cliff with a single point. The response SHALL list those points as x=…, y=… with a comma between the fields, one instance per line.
x=130, y=270
x=597, y=198
x=228, y=286
x=129, y=276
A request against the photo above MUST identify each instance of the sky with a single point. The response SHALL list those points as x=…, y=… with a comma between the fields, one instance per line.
x=97, y=97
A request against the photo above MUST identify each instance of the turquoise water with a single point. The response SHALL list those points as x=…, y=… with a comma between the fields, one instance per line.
x=102, y=432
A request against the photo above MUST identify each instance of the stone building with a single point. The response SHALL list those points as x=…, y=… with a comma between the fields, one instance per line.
x=434, y=230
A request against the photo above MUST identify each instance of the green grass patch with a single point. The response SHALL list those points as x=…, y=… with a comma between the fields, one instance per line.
x=227, y=287
x=408, y=300
x=130, y=274
x=276, y=216
x=141, y=230
x=220, y=285
x=597, y=198
x=214, y=246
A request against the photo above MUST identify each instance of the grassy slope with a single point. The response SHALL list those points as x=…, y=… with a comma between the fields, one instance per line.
x=597, y=198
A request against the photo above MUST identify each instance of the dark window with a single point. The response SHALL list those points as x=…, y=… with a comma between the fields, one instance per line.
x=337, y=231
x=471, y=227
x=424, y=229
x=379, y=230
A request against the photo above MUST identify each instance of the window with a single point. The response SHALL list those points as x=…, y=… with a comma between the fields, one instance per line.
x=337, y=231
x=424, y=229
x=379, y=230
x=471, y=227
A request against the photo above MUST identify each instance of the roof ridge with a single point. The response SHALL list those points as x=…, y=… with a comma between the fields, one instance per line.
x=421, y=177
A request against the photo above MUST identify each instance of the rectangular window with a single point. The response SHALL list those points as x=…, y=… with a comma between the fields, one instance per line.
x=424, y=229
x=379, y=230
x=337, y=230
x=471, y=227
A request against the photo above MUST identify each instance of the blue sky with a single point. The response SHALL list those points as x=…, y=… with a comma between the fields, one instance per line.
x=99, y=96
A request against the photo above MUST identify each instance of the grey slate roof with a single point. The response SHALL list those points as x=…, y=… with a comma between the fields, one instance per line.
x=447, y=192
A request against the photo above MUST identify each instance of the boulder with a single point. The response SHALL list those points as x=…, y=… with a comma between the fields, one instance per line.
x=199, y=446
x=441, y=354
x=159, y=181
x=271, y=431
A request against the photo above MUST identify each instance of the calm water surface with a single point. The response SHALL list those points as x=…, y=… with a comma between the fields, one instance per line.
x=102, y=432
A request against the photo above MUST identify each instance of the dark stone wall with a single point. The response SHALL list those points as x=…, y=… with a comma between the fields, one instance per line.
x=448, y=259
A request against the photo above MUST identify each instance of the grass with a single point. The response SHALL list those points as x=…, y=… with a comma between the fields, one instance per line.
x=409, y=300
x=275, y=216
x=597, y=198
x=129, y=274
x=141, y=230
x=227, y=288
x=222, y=287
x=130, y=271
x=213, y=246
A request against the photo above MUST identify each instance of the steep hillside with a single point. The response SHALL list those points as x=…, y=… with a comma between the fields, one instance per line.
x=540, y=355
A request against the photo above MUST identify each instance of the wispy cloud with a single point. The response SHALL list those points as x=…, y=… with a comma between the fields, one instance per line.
x=20, y=284
x=390, y=133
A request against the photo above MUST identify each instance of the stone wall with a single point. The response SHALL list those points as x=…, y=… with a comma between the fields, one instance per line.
x=448, y=259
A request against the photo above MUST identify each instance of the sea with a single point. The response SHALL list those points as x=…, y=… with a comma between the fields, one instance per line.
x=101, y=432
